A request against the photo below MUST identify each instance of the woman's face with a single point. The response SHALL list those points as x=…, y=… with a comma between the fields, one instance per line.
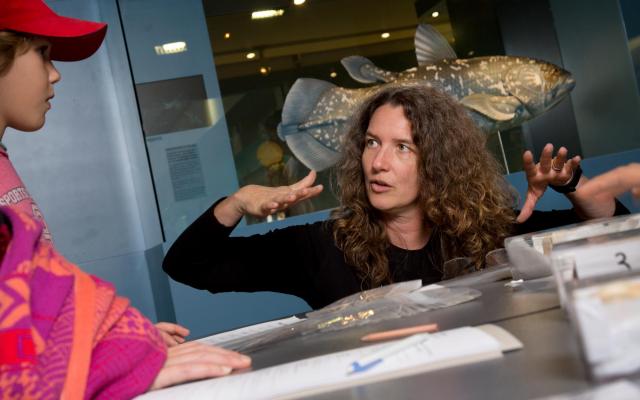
x=390, y=162
x=27, y=88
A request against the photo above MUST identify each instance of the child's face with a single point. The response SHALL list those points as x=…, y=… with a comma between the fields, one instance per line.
x=27, y=88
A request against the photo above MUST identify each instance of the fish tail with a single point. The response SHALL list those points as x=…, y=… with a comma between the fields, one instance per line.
x=301, y=100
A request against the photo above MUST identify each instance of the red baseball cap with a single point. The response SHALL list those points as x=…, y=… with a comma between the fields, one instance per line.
x=71, y=39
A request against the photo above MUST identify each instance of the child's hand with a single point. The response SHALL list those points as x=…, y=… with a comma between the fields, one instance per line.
x=194, y=360
x=172, y=334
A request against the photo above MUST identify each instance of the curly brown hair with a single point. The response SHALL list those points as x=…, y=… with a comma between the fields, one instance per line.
x=11, y=45
x=463, y=195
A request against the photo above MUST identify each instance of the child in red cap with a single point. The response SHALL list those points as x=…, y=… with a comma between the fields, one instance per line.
x=27, y=84
x=64, y=333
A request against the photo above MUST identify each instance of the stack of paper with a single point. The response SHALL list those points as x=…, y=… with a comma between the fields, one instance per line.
x=333, y=371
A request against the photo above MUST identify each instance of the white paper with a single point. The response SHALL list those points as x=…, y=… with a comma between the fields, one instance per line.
x=224, y=337
x=329, y=372
x=611, y=256
x=608, y=316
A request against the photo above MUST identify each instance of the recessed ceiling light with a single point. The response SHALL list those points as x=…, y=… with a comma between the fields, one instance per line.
x=299, y=2
x=265, y=70
x=435, y=14
x=385, y=35
x=227, y=35
x=266, y=14
x=171, y=48
x=333, y=74
x=251, y=55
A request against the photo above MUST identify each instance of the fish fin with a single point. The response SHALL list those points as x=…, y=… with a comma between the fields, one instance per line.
x=311, y=152
x=431, y=46
x=364, y=71
x=301, y=99
x=498, y=108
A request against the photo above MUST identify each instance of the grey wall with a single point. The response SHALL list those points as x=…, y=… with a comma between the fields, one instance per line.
x=605, y=100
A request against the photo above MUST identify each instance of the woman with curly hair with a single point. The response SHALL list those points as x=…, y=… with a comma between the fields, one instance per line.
x=417, y=187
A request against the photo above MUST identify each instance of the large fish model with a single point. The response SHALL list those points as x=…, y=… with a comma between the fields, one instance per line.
x=499, y=92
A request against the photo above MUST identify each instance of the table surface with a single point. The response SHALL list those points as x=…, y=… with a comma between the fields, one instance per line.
x=548, y=364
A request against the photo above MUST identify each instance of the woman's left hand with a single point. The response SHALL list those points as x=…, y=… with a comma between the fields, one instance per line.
x=548, y=171
x=172, y=334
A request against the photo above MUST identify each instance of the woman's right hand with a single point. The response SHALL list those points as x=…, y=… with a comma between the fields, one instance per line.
x=261, y=201
x=193, y=360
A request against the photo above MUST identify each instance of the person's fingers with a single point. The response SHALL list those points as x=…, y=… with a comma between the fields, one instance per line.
x=527, y=208
x=576, y=160
x=178, y=339
x=306, y=193
x=545, y=158
x=195, y=351
x=566, y=173
x=312, y=192
x=561, y=157
x=173, y=329
x=558, y=163
x=168, y=339
x=172, y=375
x=307, y=181
x=205, y=356
x=528, y=164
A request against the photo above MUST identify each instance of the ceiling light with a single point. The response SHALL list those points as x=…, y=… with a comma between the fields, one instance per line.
x=266, y=14
x=265, y=70
x=171, y=48
x=333, y=74
x=435, y=14
x=299, y=2
x=251, y=55
x=385, y=35
x=227, y=35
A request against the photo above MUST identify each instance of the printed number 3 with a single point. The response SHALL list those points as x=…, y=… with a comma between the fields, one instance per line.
x=623, y=260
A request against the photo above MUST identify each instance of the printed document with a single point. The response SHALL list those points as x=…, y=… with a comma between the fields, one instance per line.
x=331, y=371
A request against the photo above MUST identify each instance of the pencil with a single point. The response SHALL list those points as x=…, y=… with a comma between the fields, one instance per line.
x=396, y=333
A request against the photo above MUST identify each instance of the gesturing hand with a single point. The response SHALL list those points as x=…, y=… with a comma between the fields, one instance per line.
x=548, y=171
x=261, y=201
x=190, y=361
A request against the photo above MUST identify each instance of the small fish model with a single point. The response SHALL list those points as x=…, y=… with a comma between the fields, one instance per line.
x=499, y=92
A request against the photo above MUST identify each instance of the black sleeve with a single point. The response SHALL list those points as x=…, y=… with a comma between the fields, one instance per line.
x=542, y=220
x=205, y=257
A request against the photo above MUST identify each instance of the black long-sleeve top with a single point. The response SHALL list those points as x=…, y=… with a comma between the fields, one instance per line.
x=303, y=260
